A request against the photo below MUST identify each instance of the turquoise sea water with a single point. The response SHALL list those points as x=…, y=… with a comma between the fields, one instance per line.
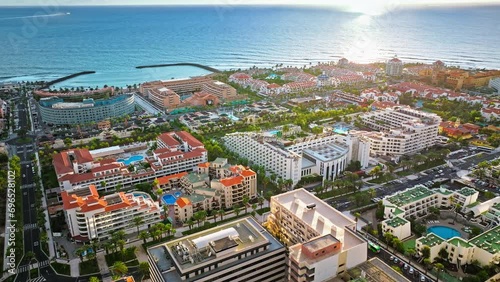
x=50, y=42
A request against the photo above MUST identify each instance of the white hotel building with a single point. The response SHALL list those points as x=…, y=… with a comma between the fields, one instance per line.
x=321, y=240
x=92, y=217
x=400, y=130
x=325, y=155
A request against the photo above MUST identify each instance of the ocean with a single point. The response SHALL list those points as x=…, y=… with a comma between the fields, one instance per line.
x=43, y=43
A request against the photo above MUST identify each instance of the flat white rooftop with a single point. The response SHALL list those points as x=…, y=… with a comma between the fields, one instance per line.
x=313, y=211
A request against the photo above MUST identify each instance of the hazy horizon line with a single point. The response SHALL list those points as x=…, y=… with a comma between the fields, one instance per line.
x=409, y=5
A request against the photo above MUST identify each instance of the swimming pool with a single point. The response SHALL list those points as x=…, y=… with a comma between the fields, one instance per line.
x=341, y=130
x=444, y=232
x=131, y=159
x=141, y=194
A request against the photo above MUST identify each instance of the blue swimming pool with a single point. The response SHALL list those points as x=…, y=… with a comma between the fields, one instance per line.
x=444, y=232
x=132, y=159
x=139, y=194
x=169, y=199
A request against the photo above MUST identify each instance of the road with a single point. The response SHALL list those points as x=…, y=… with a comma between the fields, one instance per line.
x=31, y=232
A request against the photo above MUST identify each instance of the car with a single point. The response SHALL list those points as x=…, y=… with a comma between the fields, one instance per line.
x=24, y=175
x=401, y=264
x=396, y=260
x=405, y=267
x=27, y=165
x=411, y=271
x=422, y=278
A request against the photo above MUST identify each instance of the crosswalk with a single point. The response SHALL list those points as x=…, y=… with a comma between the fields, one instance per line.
x=38, y=279
x=23, y=268
x=29, y=226
x=43, y=264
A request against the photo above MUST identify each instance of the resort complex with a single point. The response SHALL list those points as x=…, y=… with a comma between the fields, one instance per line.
x=324, y=154
x=415, y=203
x=177, y=152
x=90, y=216
x=55, y=110
x=203, y=91
x=400, y=130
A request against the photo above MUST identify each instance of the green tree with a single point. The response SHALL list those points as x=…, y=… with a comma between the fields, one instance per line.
x=426, y=252
x=439, y=267
x=427, y=263
x=94, y=279
x=144, y=268
x=443, y=254
x=144, y=235
x=138, y=221
x=119, y=268
x=236, y=210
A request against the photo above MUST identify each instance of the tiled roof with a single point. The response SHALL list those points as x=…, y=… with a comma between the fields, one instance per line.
x=231, y=181
x=168, y=139
x=182, y=202
x=83, y=156
x=187, y=137
x=166, y=179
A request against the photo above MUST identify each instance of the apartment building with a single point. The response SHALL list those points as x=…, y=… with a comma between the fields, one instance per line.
x=92, y=217
x=483, y=248
x=177, y=152
x=164, y=97
x=326, y=154
x=219, y=89
x=241, y=250
x=416, y=201
x=263, y=150
x=400, y=130
x=394, y=67
x=183, y=85
x=322, y=241
x=213, y=186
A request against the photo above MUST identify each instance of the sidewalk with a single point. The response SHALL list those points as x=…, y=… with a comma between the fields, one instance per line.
x=103, y=266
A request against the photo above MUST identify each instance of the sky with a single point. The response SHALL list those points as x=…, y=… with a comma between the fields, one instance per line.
x=341, y=3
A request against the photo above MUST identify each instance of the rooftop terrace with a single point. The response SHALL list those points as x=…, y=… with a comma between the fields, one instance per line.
x=396, y=221
x=431, y=240
x=410, y=195
x=489, y=240
x=466, y=191
x=459, y=241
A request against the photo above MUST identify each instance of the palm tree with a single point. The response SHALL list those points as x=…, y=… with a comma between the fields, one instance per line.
x=190, y=223
x=395, y=243
x=119, y=268
x=245, y=202
x=121, y=244
x=439, y=267
x=144, y=235
x=388, y=238
x=138, y=221
x=427, y=262
x=144, y=268
x=79, y=252
x=236, y=210
x=410, y=253
x=261, y=201
x=221, y=213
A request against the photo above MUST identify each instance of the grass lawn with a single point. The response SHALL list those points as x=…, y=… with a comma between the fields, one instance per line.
x=61, y=268
x=409, y=244
x=89, y=267
x=111, y=258
x=134, y=262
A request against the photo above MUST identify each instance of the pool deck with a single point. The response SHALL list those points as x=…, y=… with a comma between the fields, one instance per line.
x=445, y=222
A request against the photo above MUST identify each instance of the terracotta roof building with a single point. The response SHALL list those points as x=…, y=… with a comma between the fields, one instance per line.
x=90, y=216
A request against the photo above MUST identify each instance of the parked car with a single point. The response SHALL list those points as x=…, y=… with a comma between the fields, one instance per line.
x=391, y=258
x=422, y=278
x=411, y=270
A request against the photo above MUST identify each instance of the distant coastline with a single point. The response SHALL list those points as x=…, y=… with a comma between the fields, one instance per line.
x=181, y=64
